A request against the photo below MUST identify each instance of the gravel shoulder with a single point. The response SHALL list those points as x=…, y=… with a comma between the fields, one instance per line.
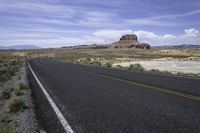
x=24, y=120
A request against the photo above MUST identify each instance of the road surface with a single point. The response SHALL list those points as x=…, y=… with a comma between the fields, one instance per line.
x=102, y=100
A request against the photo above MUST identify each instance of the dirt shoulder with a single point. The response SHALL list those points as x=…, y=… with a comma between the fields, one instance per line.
x=16, y=105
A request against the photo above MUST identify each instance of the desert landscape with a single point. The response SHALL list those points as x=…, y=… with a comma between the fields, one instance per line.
x=86, y=66
x=183, y=59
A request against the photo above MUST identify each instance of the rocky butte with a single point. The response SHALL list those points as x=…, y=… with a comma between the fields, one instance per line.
x=126, y=41
x=130, y=41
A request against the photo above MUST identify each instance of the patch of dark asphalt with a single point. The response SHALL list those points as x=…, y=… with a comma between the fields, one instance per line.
x=46, y=116
x=93, y=103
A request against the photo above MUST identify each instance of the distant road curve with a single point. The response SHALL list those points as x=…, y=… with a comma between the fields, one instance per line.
x=101, y=100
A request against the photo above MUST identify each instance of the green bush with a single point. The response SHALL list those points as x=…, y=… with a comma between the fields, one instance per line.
x=19, y=77
x=5, y=95
x=23, y=86
x=7, y=130
x=166, y=72
x=16, y=104
x=108, y=65
x=7, y=71
x=88, y=60
x=136, y=67
x=18, y=92
x=156, y=70
x=119, y=66
x=95, y=63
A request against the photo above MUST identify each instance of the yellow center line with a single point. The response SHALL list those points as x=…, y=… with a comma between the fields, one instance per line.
x=163, y=90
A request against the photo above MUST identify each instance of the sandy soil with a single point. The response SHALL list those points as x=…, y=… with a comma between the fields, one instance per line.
x=173, y=66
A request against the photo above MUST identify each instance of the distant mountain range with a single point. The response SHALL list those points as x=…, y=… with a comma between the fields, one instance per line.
x=178, y=47
x=19, y=47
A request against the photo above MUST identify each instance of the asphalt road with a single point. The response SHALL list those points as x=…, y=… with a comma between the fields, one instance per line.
x=102, y=100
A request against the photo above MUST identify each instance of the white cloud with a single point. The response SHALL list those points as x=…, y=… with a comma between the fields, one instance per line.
x=189, y=36
x=100, y=37
x=146, y=35
x=191, y=33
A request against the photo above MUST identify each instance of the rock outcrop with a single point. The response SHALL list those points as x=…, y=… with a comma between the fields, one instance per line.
x=130, y=41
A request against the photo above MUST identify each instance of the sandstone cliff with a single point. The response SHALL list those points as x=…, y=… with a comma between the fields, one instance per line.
x=130, y=41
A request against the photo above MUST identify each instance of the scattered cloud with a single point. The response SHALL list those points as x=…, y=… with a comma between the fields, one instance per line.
x=100, y=37
x=148, y=36
x=191, y=33
x=164, y=20
x=167, y=38
x=53, y=23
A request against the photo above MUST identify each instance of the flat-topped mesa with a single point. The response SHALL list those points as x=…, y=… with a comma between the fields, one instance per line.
x=129, y=37
x=130, y=41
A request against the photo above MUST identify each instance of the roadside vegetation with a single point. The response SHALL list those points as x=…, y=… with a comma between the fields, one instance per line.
x=12, y=98
x=16, y=104
x=18, y=92
x=6, y=94
x=136, y=67
x=8, y=69
x=14, y=90
x=8, y=129
x=108, y=65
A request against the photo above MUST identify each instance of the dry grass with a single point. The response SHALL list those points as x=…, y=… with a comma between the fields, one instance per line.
x=16, y=104
x=69, y=54
x=8, y=129
x=23, y=86
x=136, y=67
x=18, y=92
x=6, y=94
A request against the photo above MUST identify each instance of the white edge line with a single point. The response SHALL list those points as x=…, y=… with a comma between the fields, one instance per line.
x=60, y=116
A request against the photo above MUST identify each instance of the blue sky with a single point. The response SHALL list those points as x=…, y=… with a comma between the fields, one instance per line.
x=55, y=23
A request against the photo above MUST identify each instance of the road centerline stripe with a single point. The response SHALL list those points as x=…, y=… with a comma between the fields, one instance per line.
x=60, y=116
x=163, y=90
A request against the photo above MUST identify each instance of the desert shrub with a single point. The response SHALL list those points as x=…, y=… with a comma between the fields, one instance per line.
x=119, y=66
x=16, y=104
x=155, y=70
x=4, y=75
x=116, y=46
x=7, y=71
x=18, y=92
x=166, y=72
x=19, y=77
x=136, y=67
x=180, y=73
x=162, y=72
x=108, y=65
x=23, y=86
x=5, y=94
x=88, y=60
x=7, y=129
x=96, y=63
